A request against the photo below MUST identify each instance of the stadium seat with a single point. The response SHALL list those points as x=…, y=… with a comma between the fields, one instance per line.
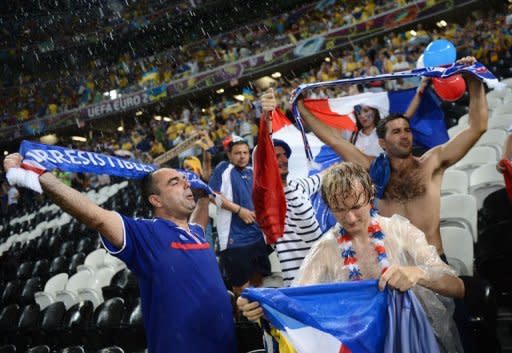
x=54, y=244
x=32, y=285
x=72, y=349
x=76, y=321
x=123, y=284
x=501, y=110
x=69, y=295
x=100, y=279
x=460, y=210
x=93, y=260
x=106, y=323
x=9, y=316
x=41, y=268
x=494, y=138
x=25, y=271
x=497, y=207
x=75, y=261
x=67, y=248
x=508, y=82
x=11, y=292
x=493, y=259
x=476, y=157
x=49, y=295
x=58, y=265
x=485, y=180
x=463, y=120
x=39, y=349
x=454, y=182
x=132, y=336
x=84, y=245
x=500, y=122
x=113, y=262
x=28, y=326
x=112, y=349
x=8, y=348
x=494, y=102
x=458, y=247
x=51, y=323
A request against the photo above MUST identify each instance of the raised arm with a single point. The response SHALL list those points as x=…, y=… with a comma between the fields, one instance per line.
x=108, y=223
x=416, y=100
x=332, y=138
x=200, y=213
x=457, y=147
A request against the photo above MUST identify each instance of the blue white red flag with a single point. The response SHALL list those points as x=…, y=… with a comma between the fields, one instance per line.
x=347, y=317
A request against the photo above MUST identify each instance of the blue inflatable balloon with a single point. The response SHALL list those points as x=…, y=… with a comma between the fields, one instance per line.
x=439, y=52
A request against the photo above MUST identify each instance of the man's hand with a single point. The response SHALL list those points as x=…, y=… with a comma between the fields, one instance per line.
x=401, y=277
x=268, y=101
x=252, y=311
x=12, y=161
x=468, y=61
x=24, y=174
x=247, y=216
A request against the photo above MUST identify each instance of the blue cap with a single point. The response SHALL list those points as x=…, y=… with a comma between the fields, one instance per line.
x=284, y=145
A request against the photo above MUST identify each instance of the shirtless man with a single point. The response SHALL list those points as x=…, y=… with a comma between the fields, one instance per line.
x=414, y=187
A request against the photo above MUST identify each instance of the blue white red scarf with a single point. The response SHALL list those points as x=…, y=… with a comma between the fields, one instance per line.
x=478, y=70
x=348, y=254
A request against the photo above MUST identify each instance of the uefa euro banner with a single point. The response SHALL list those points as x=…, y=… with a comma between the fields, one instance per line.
x=346, y=317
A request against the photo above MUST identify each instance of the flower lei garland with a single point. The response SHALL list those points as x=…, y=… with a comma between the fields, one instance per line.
x=348, y=253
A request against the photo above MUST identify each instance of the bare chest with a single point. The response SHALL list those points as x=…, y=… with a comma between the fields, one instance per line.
x=406, y=185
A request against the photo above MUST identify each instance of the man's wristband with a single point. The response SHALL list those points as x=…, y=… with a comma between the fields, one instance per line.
x=239, y=209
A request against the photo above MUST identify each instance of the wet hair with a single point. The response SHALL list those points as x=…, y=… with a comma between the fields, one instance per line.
x=340, y=181
x=382, y=124
x=148, y=187
x=357, y=110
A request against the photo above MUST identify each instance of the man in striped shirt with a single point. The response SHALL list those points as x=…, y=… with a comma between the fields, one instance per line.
x=301, y=228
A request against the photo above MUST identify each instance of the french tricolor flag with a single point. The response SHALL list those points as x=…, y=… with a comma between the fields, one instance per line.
x=347, y=317
x=428, y=125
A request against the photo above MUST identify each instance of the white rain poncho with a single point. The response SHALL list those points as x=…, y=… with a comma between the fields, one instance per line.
x=405, y=245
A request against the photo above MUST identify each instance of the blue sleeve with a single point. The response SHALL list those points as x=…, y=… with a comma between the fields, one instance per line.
x=216, y=179
x=138, y=245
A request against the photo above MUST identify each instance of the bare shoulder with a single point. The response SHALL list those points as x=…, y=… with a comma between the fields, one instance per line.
x=431, y=160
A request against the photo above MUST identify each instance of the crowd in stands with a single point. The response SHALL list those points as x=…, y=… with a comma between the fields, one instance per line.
x=489, y=41
x=31, y=97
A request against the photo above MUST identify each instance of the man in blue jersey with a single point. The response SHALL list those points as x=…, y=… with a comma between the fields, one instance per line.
x=244, y=255
x=185, y=305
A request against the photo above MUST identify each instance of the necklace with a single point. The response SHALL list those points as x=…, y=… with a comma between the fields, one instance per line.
x=348, y=254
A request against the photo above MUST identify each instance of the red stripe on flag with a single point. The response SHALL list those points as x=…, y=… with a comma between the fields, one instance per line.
x=321, y=110
x=279, y=120
x=344, y=349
